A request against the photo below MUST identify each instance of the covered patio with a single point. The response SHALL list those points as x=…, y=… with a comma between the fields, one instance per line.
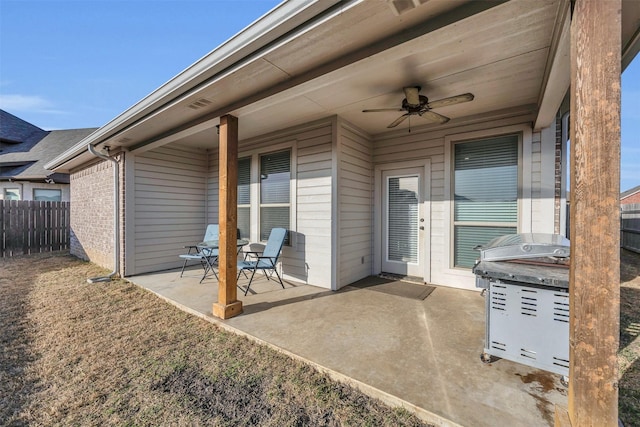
x=421, y=354
x=290, y=96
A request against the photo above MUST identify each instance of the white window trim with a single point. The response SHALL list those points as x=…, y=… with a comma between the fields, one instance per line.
x=564, y=177
x=377, y=217
x=245, y=205
x=5, y=190
x=464, y=278
x=255, y=154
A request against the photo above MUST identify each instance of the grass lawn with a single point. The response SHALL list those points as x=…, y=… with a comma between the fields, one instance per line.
x=111, y=353
x=629, y=354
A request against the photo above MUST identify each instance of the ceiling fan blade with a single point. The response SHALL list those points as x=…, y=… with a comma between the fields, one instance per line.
x=434, y=117
x=399, y=120
x=465, y=97
x=412, y=94
x=380, y=110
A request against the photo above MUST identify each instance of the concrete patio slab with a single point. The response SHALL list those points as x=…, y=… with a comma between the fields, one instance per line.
x=421, y=354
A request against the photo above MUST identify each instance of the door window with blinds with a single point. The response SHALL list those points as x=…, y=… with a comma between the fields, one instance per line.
x=244, y=197
x=275, y=192
x=485, y=194
x=403, y=205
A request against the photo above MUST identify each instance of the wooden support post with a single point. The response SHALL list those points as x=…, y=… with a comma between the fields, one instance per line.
x=595, y=217
x=228, y=305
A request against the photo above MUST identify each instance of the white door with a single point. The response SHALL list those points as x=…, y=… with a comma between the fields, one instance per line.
x=403, y=222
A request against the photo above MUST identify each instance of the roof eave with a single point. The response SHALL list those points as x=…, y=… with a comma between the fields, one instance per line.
x=283, y=18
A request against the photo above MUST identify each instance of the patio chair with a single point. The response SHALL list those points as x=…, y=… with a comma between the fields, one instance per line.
x=266, y=261
x=206, y=256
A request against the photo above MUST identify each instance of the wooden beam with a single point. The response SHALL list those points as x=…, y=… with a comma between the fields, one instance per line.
x=594, y=289
x=228, y=305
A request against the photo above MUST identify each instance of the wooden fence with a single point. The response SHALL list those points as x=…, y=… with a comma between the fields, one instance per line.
x=630, y=227
x=28, y=227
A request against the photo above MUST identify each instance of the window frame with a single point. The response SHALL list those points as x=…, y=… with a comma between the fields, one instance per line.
x=463, y=277
x=5, y=190
x=259, y=202
x=481, y=224
x=255, y=155
x=33, y=194
x=245, y=205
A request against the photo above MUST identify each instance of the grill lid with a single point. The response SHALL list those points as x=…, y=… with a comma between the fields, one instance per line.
x=524, y=246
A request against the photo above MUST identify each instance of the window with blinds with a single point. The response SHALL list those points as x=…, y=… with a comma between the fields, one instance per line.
x=403, y=204
x=275, y=189
x=485, y=194
x=244, y=197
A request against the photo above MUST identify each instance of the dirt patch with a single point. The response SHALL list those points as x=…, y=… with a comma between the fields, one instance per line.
x=113, y=354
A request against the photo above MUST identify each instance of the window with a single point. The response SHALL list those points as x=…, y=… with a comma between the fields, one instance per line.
x=275, y=189
x=12, y=194
x=244, y=197
x=47, y=195
x=485, y=194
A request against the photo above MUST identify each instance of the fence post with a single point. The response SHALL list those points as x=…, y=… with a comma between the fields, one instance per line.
x=3, y=244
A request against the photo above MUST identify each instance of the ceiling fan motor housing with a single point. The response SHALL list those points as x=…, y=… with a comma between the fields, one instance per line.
x=416, y=108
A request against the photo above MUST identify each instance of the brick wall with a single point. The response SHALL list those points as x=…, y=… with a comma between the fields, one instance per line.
x=92, y=219
x=632, y=199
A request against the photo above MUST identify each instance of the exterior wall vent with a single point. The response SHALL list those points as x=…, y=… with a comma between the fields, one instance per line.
x=398, y=7
x=200, y=103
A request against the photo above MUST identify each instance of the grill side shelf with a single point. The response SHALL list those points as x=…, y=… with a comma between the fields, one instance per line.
x=533, y=275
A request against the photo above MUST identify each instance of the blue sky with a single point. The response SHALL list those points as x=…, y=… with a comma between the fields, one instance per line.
x=74, y=64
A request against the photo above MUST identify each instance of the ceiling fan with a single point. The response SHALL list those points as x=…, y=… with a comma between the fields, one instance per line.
x=415, y=104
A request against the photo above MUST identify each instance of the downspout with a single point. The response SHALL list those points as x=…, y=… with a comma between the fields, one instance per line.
x=116, y=216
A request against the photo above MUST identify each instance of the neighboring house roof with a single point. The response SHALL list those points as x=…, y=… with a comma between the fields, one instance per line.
x=630, y=192
x=16, y=133
x=25, y=148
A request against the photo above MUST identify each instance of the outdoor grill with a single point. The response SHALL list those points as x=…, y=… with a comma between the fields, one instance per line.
x=526, y=281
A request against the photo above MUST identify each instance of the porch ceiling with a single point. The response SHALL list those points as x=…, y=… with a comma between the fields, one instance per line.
x=498, y=53
x=359, y=55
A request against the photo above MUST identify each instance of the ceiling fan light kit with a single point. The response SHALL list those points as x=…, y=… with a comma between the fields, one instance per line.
x=415, y=104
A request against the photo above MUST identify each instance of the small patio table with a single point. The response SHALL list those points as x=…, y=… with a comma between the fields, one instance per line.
x=207, y=247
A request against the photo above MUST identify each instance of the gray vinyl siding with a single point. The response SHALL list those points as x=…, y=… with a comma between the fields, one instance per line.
x=308, y=258
x=311, y=260
x=355, y=193
x=543, y=180
x=213, y=187
x=170, y=183
x=430, y=144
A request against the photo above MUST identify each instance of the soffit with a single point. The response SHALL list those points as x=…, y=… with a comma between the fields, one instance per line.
x=361, y=58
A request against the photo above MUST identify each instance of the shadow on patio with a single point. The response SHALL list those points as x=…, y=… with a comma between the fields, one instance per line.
x=423, y=354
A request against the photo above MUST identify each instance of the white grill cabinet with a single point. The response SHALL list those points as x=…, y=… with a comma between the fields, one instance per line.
x=526, y=278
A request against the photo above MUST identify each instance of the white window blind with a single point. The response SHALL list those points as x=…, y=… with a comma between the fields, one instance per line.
x=275, y=189
x=244, y=197
x=402, y=240
x=485, y=194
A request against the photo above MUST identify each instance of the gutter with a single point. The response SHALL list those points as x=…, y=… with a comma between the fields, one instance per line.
x=116, y=217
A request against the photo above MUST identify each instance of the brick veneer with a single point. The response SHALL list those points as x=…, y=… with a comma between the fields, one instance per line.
x=633, y=198
x=92, y=219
